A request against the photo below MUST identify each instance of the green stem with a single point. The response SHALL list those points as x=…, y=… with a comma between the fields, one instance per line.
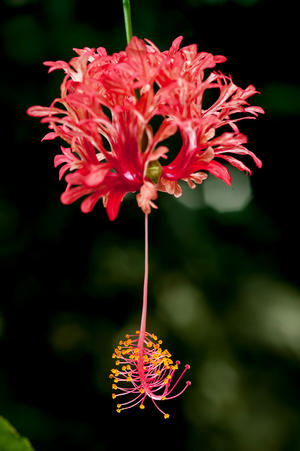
x=127, y=18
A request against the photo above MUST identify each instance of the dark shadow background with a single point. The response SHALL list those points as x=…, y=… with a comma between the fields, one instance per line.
x=224, y=263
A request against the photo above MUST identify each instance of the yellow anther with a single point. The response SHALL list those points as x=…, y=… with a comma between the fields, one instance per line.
x=142, y=390
x=113, y=396
x=159, y=342
x=118, y=362
x=142, y=406
x=119, y=347
x=114, y=386
x=126, y=336
x=116, y=381
x=118, y=410
x=166, y=381
x=166, y=416
x=114, y=356
x=163, y=398
x=149, y=344
x=123, y=368
x=158, y=372
x=129, y=379
x=137, y=332
x=128, y=367
x=119, y=406
x=111, y=376
x=120, y=342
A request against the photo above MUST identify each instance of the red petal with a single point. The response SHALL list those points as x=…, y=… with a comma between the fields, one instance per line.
x=113, y=203
x=88, y=204
x=70, y=195
x=218, y=170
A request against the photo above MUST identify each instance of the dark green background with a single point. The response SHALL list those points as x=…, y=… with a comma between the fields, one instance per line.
x=224, y=285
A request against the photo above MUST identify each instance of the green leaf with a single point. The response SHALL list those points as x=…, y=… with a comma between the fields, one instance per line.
x=10, y=440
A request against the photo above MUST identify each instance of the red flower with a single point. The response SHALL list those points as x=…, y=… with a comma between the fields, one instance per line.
x=105, y=113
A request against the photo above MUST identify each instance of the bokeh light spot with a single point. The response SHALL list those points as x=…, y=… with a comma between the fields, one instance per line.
x=226, y=199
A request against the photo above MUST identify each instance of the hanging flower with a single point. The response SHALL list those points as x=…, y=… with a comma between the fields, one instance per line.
x=144, y=369
x=106, y=114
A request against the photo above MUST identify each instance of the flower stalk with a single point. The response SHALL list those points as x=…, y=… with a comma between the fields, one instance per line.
x=127, y=19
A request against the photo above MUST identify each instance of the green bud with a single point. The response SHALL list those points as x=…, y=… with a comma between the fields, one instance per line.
x=154, y=171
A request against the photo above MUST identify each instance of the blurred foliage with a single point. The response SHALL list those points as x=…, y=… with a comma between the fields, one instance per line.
x=224, y=289
x=10, y=439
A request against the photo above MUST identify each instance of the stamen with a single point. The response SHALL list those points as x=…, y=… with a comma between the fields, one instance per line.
x=145, y=371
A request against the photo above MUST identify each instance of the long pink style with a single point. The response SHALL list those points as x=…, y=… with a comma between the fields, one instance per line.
x=144, y=369
x=145, y=290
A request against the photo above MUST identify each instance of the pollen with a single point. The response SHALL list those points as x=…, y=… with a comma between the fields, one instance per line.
x=166, y=416
x=146, y=370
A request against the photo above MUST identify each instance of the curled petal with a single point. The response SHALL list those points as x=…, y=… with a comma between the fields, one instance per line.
x=72, y=194
x=145, y=197
x=218, y=170
x=40, y=111
x=196, y=178
x=170, y=187
x=50, y=135
x=114, y=199
x=89, y=202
